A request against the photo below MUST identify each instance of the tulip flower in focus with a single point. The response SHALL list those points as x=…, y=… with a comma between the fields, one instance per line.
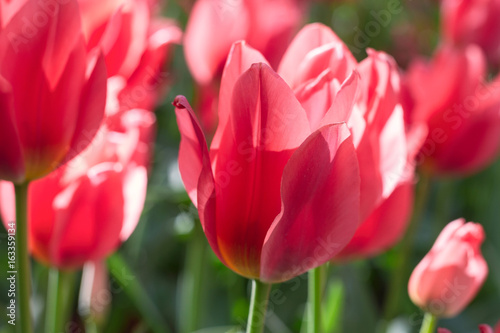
x=451, y=274
x=52, y=95
x=315, y=65
x=462, y=111
x=473, y=22
x=85, y=209
x=276, y=193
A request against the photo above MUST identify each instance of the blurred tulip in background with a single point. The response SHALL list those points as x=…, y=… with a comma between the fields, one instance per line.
x=44, y=127
x=473, y=22
x=451, y=274
x=450, y=95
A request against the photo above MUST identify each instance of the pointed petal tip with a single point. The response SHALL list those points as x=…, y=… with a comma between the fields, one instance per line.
x=180, y=102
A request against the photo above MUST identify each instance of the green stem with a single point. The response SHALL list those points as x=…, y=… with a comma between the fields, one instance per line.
x=138, y=295
x=90, y=325
x=258, y=306
x=429, y=323
x=89, y=273
x=400, y=275
x=59, y=299
x=23, y=261
x=192, y=282
x=315, y=287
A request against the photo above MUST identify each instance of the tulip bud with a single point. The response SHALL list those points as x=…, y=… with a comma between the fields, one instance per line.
x=450, y=275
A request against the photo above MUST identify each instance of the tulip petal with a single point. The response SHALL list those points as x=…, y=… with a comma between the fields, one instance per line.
x=193, y=147
x=63, y=30
x=92, y=103
x=343, y=103
x=123, y=57
x=8, y=9
x=12, y=162
x=331, y=56
x=42, y=215
x=309, y=38
x=320, y=205
x=196, y=171
x=7, y=202
x=384, y=227
x=97, y=17
x=239, y=60
x=380, y=92
x=149, y=75
x=79, y=232
x=40, y=40
x=135, y=182
x=266, y=125
x=272, y=26
x=393, y=152
x=205, y=54
x=316, y=97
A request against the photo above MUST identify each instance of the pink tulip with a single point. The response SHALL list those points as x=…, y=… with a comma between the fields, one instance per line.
x=451, y=274
x=277, y=195
x=315, y=65
x=52, y=94
x=215, y=25
x=85, y=209
x=450, y=95
x=473, y=22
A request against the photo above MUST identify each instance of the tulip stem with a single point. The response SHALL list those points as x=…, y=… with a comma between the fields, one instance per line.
x=192, y=282
x=400, y=275
x=23, y=260
x=258, y=306
x=429, y=323
x=59, y=299
x=130, y=283
x=315, y=289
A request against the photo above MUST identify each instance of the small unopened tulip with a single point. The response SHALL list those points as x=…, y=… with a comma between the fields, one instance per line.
x=450, y=275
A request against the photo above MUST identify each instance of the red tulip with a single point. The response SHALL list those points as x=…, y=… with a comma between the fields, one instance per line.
x=215, y=25
x=315, y=65
x=84, y=210
x=461, y=110
x=276, y=196
x=450, y=275
x=473, y=22
x=52, y=94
